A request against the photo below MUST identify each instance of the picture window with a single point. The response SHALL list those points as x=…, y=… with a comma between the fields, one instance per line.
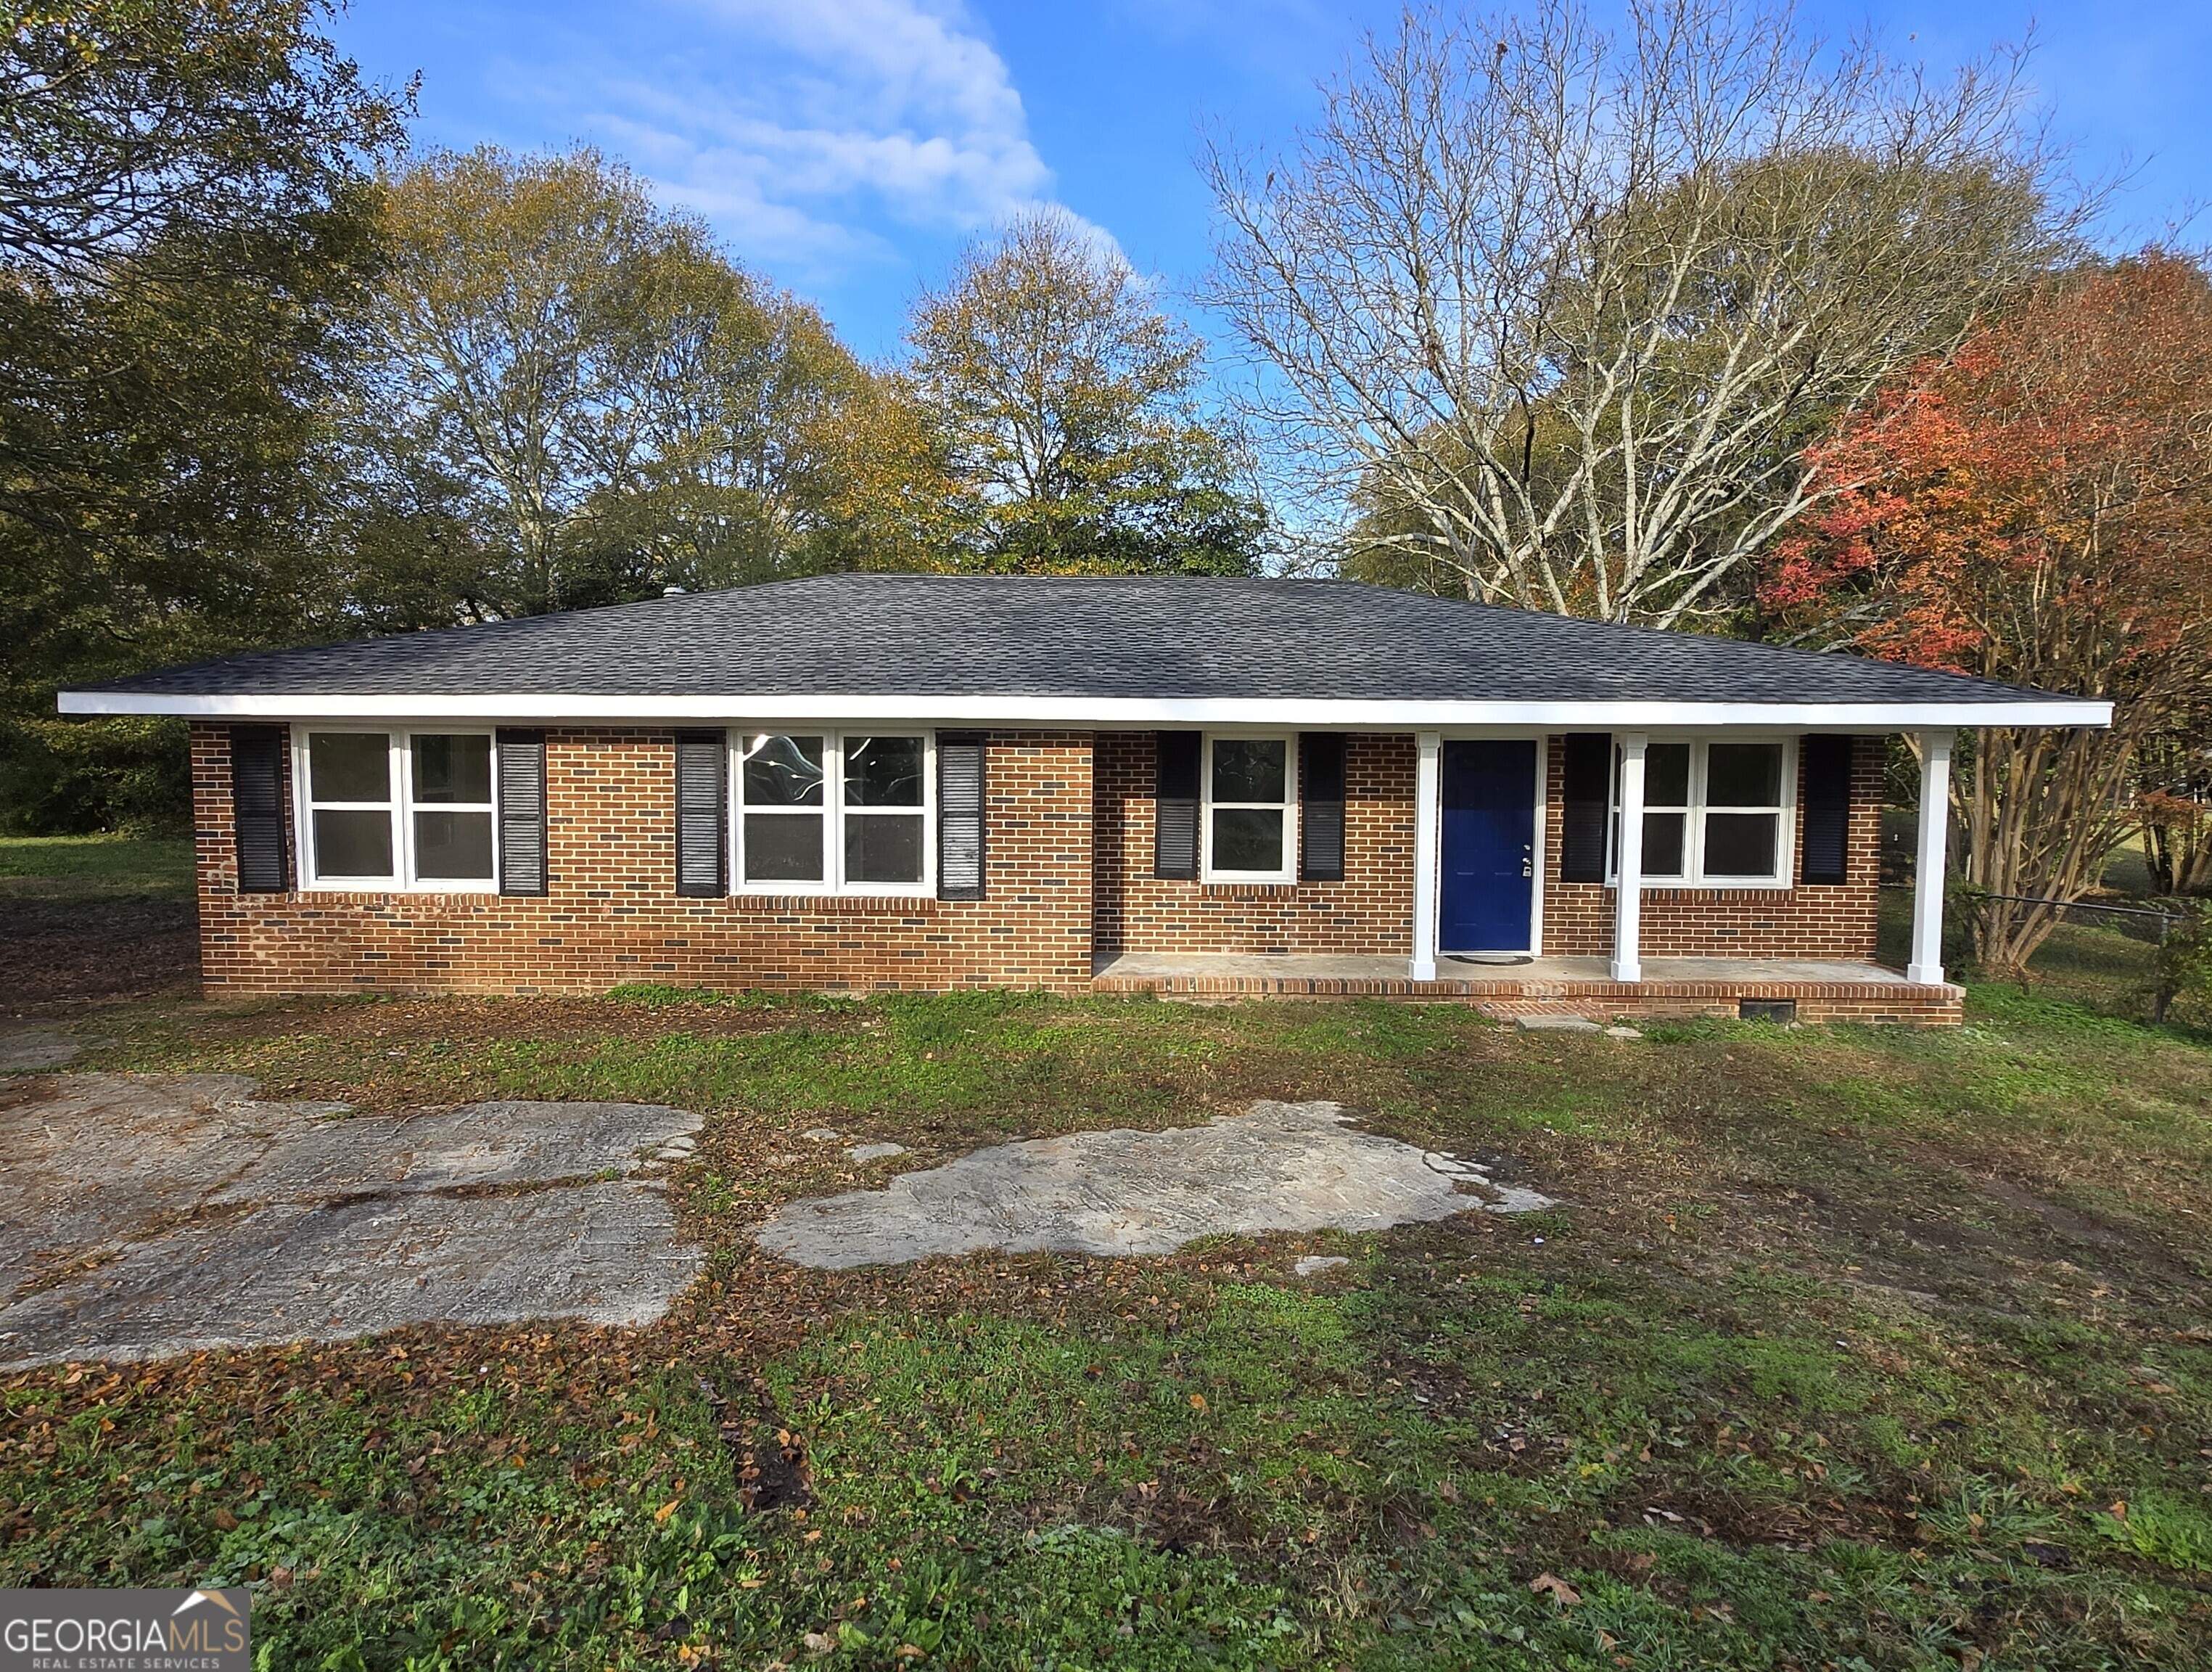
x=822, y=813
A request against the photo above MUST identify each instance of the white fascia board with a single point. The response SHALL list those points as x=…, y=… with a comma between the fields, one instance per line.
x=1110, y=711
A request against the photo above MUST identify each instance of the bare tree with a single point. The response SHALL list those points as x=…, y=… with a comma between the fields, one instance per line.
x=1555, y=312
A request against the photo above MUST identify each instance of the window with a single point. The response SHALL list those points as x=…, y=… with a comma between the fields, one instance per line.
x=349, y=789
x=450, y=807
x=1666, y=809
x=399, y=809
x=1713, y=812
x=781, y=786
x=883, y=817
x=1743, y=811
x=821, y=812
x=1251, y=787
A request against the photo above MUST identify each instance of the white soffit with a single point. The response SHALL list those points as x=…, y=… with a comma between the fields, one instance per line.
x=1104, y=711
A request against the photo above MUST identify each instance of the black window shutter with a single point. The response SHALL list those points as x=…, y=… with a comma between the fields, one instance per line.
x=1174, y=802
x=959, y=815
x=1587, y=806
x=257, y=809
x=703, y=812
x=521, y=812
x=1321, y=811
x=1827, y=809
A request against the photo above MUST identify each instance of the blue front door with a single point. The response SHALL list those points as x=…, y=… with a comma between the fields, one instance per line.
x=1489, y=850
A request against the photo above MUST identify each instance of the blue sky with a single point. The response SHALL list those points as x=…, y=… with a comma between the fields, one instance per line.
x=847, y=148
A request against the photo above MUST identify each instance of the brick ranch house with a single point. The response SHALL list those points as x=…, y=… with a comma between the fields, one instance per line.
x=1189, y=786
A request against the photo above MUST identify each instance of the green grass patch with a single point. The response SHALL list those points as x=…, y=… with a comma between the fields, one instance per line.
x=97, y=865
x=1852, y=1347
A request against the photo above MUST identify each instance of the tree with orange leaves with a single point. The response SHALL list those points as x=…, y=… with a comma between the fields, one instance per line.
x=2037, y=508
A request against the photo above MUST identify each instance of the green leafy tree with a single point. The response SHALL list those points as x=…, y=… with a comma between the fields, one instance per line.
x=183, y=227
x=572, y=398
x=1065, y=405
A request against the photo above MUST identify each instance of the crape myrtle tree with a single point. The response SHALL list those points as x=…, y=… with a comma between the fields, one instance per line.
x=1550, y=314
x=2173, y=801
x=183, y=227
x=569, y=396
x=2038, y=509
x=1058, y=417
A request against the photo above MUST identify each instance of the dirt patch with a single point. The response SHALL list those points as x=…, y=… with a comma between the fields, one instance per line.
x=58, y=952
x=2065, y=1221
x=460, y=1022
x=768, y=1458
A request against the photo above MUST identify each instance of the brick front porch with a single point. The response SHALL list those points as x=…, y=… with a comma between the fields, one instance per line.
x=1671, y=986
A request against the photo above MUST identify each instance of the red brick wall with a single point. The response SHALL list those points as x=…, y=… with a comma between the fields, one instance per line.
x=1834, y=921
x=613, y=915
x=1069, y=847
x=1370, y=912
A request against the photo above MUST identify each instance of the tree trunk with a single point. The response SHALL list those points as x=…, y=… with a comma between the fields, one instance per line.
x=2043, y=812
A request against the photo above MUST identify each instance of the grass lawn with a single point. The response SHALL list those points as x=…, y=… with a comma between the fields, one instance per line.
x=1849, y=1349
x=93, y=918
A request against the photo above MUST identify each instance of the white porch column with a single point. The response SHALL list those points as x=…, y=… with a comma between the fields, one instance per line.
x=1628, y=895
x=1927, y=874
x=1426, y=831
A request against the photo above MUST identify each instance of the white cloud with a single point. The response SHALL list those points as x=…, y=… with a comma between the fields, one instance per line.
x=800, y=127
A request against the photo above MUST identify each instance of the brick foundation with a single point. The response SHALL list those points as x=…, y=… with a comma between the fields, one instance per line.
x=1505, y=996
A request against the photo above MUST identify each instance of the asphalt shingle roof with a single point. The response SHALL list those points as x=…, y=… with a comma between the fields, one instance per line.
x=1142, y=638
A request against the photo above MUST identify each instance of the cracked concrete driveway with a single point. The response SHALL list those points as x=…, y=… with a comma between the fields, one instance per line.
x=145, y=1215
x=1278, y=1166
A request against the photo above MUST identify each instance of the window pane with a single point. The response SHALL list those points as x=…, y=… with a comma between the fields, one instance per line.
x=1250, y=769
x=1662, y=843
x=783, y=847
x=784, y=772
x=353, y=844
x=1667, y=775
x=452, y=768
x=882, y=847
x=1247, y=839
x=1740, y=844
x=452, y=844
x=1743, y=774
x=350, y=766
x=883, y=772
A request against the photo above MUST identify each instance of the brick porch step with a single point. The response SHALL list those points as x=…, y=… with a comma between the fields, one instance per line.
x=1554, y=987
x=1514, y=1010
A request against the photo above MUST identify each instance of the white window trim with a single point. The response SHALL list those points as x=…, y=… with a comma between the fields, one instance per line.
x=399, y=746
x=833, y=809
x=1289, y=872
x=1694, y=836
